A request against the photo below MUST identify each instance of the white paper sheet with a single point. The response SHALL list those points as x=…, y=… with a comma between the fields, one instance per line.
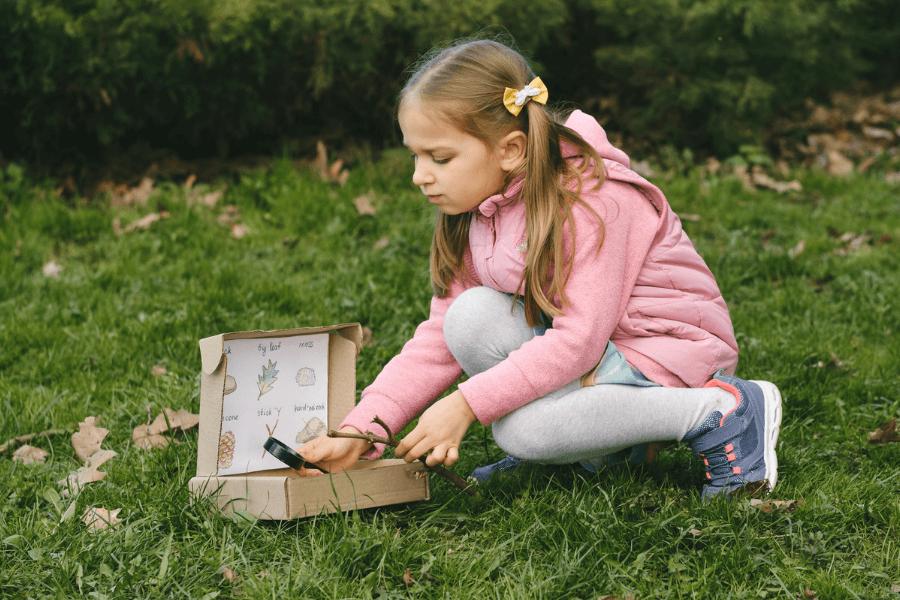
x=273, y=387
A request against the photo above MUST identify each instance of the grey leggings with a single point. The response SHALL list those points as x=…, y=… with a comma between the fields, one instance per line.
x=573, y=423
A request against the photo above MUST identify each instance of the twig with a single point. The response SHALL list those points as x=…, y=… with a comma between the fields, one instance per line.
x=28, y=437
x=394, y=442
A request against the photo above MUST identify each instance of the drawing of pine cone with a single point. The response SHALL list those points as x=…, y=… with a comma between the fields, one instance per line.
x=226, y=450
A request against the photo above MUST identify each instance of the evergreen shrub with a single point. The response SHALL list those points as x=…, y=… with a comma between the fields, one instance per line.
x=79, y=78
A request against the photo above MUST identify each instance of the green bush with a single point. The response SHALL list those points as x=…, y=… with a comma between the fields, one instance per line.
x=80, y=78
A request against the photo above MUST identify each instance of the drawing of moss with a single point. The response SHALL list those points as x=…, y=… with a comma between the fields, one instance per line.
x=267, y=378
x=306, y=376
x=230, y=384
x=314, y=428
x=226, y=450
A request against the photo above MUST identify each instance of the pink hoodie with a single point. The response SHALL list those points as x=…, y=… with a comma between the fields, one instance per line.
x=647, y=290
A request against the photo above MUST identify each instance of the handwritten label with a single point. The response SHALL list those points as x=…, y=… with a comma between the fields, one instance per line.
x=230, y=418
x=308, y=407
x=265, y=412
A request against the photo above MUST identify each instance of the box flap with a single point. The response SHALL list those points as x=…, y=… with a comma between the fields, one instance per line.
x=211, y=353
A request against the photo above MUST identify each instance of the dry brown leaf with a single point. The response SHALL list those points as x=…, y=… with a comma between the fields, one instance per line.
x=740, y=171
x=88, y=473
x=334, y=171
x=367, y=337
x=877, y=133
x=238, y=230
x=140, y=195
x=382, y=243
x=892, y=178
x=760, y=179
x=364, y=204
x=852, y=243
x=408, y=578
x=694, y=531
x=712, y=165
x=798, y=249
x=101, y=518
x=838, y=164
x=807, y=594
x=30, y=454
x=321, y=163
x=158, y=370
x=864, y=165
x=144, y=437
x=230, y=575
x=146, y=221
x=87, y=439
x=768, y=506
x=117, y=226
x=189, y=182
x=181, y=419
x=751, y=489
x=886, y=432
x=895, y=588
x=52, y=269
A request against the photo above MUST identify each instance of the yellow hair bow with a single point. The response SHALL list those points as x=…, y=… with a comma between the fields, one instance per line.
x=514, y=100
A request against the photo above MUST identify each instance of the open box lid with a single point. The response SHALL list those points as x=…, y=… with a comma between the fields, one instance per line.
x=344, y=343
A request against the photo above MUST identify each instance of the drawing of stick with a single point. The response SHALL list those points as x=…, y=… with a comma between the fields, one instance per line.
x=271, y=433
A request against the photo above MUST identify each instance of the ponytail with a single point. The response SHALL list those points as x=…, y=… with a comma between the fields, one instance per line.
x=466, y=82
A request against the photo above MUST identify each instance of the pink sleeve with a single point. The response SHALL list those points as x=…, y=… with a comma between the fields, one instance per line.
x=598, y=291
x=413, y=379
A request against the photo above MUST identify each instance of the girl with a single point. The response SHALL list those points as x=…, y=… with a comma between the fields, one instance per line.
x=564, y=287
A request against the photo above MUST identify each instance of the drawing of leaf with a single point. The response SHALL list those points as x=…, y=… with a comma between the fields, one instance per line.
x=267, y=378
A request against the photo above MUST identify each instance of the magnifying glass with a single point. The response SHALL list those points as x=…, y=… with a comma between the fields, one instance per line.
x=287, y=455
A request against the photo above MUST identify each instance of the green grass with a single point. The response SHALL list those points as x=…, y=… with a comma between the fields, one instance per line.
x=83, y=344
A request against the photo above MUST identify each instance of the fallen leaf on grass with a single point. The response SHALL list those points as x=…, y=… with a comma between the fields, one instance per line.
x=150, y=436
x=52, y=269
x=230, y=575
x=382, y=243
x=101, y=518
x=144, y=437
x=852, y=242
x=335, y=172
x=408, y=578
x=895, y=588
x=238, y=230
x=892, y=178
x=364, y=204
x=190, y=181
x=88, y=473
x=838, y=164
x=209, y=200
x=886, y=432
x=798, y=249
x=751, y=489
x=367, y=337
x=120, y=195
x=158, y=370
x=768, y=506
x=760, y=179
x=807, y=594
x=87, y=439
x=145, y=222
x=834, y=362
x=30, y=454
x=614, y=597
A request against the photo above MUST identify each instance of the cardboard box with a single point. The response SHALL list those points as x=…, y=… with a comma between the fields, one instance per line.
x=280, y=493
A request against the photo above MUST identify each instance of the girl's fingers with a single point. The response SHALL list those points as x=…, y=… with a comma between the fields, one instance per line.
x=452, y=456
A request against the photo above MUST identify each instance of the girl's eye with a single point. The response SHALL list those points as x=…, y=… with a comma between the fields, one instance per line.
x=441, y=161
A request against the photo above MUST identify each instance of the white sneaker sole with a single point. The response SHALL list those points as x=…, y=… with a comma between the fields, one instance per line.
x=772, y=397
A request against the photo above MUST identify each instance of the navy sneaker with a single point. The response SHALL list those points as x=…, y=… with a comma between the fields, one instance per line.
x=482, y=474
x=739, y=446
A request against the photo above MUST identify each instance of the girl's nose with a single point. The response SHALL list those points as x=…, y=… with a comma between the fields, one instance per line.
x=421, y=175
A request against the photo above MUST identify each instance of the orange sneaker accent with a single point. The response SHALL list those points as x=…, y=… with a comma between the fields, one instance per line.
x=731, y=456
x=736, y=470
x=708, y=476
x=729, y=447
x=705, y=462
x=728, y=388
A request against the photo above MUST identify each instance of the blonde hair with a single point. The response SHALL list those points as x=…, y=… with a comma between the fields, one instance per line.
x=465, y=82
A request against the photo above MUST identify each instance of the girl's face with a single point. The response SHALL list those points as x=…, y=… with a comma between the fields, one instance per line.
x=454, y=169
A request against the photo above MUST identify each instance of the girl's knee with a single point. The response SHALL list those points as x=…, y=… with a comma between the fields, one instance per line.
x=473, y=315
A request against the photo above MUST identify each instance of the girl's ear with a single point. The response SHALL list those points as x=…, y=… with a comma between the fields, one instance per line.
x=511, y=150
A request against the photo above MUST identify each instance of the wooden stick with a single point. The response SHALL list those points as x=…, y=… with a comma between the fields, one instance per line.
x=394, y=442
x=30, y=436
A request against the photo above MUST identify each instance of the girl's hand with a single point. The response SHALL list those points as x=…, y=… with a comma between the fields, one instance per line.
x=441, y=428
x=334, y=454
